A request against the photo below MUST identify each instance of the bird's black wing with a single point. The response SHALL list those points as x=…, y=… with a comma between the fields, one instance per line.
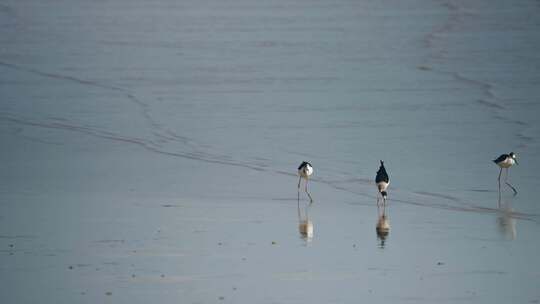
x=501, y=158
x=382, y=176
x=303, y=164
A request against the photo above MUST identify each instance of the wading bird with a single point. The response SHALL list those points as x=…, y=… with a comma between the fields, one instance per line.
x=506, y=161
x=382, y=182
x=304, y=171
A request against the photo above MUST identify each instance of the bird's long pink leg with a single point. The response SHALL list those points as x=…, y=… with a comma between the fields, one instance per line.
x=310, y=199
x=507, y=183
x=499, y=179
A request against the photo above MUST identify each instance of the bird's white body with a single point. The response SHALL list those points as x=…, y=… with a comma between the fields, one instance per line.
x=306, y=171
x=382, y=186
x=507, y=163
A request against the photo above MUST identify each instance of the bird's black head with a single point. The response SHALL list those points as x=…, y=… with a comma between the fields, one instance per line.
x=384, y=194
x=304, y=164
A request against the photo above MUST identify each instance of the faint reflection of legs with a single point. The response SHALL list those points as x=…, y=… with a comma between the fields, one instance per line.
x=506, y=219
x=305, y=225
x=382, y=228
x=499, y=202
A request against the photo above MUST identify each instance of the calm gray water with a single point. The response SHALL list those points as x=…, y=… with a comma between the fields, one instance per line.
x=149, y=151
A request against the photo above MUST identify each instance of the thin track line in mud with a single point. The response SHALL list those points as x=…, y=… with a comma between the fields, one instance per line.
x=143, y=107
x=163, y=134
x=493, y=103
x=60, y=77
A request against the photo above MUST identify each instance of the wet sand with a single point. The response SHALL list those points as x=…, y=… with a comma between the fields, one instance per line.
x=149, y=151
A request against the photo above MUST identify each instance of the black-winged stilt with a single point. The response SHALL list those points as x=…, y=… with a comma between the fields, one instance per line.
x=382, y=182
x=506, y=161
x=305, y=170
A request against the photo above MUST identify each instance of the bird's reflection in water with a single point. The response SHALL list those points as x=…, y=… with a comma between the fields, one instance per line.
x=383, y=224
x=305, y=225
x=506, y=220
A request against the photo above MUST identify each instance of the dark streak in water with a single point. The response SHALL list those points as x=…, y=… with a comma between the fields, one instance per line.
x=110, y=241
x=448, y=197
x=284, y=199
x=481, y=190
x=60, y=77
x=19, y=132
x=473, y=272
x=453, y=21
x=490, y=104
x=171, y=206
x=14, y=237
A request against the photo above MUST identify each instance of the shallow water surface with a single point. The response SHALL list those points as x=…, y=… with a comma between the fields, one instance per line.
x=150, y=151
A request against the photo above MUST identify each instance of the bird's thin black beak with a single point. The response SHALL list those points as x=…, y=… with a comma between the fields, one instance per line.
x=516, y=161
